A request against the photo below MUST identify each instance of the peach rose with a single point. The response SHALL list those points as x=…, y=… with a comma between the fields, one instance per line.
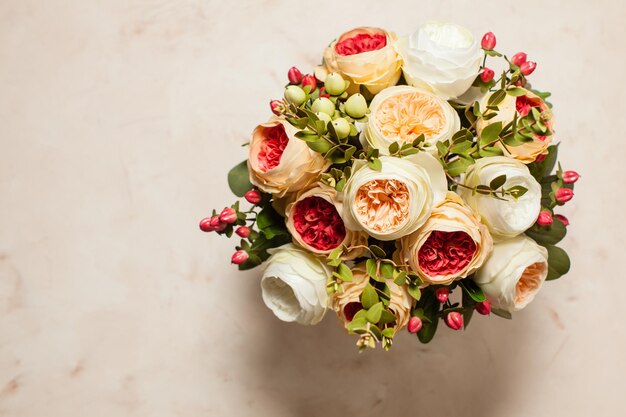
x=364, y=56
x=314, y=220
x=451, y=245
x=279, y=163
x=522, y=105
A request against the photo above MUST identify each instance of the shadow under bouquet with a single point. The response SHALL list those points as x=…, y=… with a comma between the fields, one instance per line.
x=400, y=184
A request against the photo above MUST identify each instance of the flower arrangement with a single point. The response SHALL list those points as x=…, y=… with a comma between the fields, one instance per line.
x=401, y=184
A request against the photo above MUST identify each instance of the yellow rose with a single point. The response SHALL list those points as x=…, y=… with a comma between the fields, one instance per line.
x=314, y=220
x=451, y=245
x=527, y=152
x=364, y=56
x=279, y=163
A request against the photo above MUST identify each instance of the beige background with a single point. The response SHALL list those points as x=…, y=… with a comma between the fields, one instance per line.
x=118, y=122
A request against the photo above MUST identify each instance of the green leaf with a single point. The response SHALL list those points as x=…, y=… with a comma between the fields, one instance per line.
x=473, y=290
x=371, y=267
x=389, y=332
x=369, y=297
x=431, y=308
x=414, y=291
x=490, y=133
x=386, y=269
x=468, y=308
x=459, y=166
x=394, y=147
x=378, y=251
x=345, y=273
x=496, y=98
x=461, y=147
x=558, y=261
x=374, y=313
x=271, y=232
x=375, y=164
x=356, y=323
x=501, y=313
x=400, y=279
x=497, y=182
x=239, y=179
x=268, y=217
x=252, y=262
x=547, y=235
x=320, y=146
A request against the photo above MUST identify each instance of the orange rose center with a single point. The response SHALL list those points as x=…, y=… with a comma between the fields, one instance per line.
x=529, y=281
x=382, y=205
x=406, y=116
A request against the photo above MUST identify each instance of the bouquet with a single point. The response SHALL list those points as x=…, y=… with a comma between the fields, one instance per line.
x=400, y=184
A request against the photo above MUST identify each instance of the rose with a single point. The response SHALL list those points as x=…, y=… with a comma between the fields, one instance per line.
x=396, y=200
x=525, y=152
x=452, y=243
x=363, y=56
x=314, y=220
x=347, y=303
x=442, y=57
x=294, y=285
x=514, y=273
x=505, y=217
x=279, y=162
x=402, y=113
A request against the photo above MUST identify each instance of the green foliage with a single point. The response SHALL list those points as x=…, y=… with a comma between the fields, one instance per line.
x=239, y=179
x=558, y=262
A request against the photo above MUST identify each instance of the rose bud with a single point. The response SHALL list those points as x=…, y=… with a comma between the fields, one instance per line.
x=454, y=320
x=217, y=225
x=442, y=294
x=562, y=219
x=544, y=219
x=570, y=177
x=277, y=107
x=295, y=76
x=563, y=195
x=486, y=75
x=205, y=225
x=415, y=325
x=239, y=257
x=323, y=105
x=228, y=215
x=356, y=106
x=253, y=197
x=243, y=231
x=310, y=81
x=483, y=308
x=295, y=95
x=334, y=84
x=519, y=58
x=528, y=67
x=342, y=127
x=488, y=42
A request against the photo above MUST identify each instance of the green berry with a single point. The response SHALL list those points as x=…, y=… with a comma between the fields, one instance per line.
x=295, y=95
x=334, y=84
x=323, y=105
x=356, y=106
x=324, y=117
x=342, y=127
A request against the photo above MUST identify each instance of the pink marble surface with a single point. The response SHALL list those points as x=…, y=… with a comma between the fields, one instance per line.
x=118, y=122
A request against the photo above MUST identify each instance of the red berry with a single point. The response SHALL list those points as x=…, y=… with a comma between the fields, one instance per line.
x=519, y=58
x=228, y=215
x=563, y=195
x=310, y=81
x=454, y=320
x=483, y=308
x=486, y=75
x=277, y=107
x=442, y=294
x=528, y=67
x=489, y=41
x=415, y=325
x=544, y=219
x=205, y=225
x=243, y=231
x=570, y=177
x=253, y=197
x=239, y=257
x=295, y=76
x=562, y=219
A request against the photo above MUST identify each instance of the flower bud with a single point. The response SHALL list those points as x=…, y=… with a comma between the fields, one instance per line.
x=243, y=231
x=342, y=127
x=415, y=325
x=309, y=80
x=356, y=106
x=570, y=177
x=541, y=157
x=442, y=294
x=216, y=224
x=295, y=95
x=488, y=42
x=544, y=219
x=205, y=225
x=454, y=320
x=295, y=76
x=323, y=93
x=486, y=75
x=527, y=67
x=323, y=105
x=239, y=257
x=483, y=308
x=277, y=107
x=228, y=215
x=563, y=195
x=324, y=117
x=253, y=197
x=334, y=84
x=519, y=58
x=562, y=219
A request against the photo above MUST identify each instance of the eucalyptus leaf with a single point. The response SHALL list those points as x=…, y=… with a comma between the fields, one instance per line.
x=369, y=297
x=239, y=179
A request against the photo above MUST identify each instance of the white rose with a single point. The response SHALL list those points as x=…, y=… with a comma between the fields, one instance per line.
x=402, y=113
x=442, y=57
x=513, y=273
x=294, y=285
x=395, y=201
x=508, y=217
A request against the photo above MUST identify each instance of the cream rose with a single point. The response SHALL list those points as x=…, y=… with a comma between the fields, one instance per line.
x=514, y=273
x=348, y=302
x=527, y=152
x=280, y=163
x=363, y=56
x=442, y=57
x=452, y=243
x=508, y=217
x=395, y=201
x=314, y=220
x=294, y=285
x=402, y=113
